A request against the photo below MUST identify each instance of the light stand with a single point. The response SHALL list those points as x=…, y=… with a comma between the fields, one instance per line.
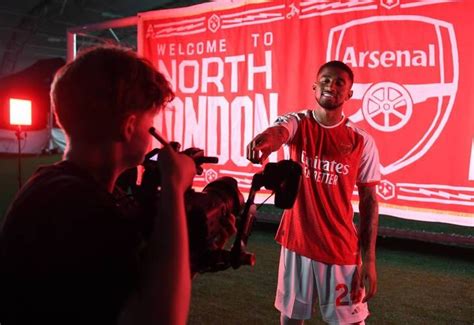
x=19, y=137
x=20, y=114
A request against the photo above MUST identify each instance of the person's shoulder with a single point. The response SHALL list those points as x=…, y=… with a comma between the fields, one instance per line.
x=304, y=114
x=298, y=115
x=358, y=130
x=62, y=174
x=60, y=195
x=55, y=183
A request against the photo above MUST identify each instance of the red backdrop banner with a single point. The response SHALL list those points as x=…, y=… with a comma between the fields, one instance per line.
x=236, y=67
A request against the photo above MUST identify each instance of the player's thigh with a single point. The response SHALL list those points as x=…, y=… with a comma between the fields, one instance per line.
x=296, y=286
x=333, y=284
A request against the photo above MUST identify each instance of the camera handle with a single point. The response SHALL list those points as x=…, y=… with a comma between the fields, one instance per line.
x=238, y=253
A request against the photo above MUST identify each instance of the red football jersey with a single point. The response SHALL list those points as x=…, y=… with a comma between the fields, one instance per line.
x=320, y=224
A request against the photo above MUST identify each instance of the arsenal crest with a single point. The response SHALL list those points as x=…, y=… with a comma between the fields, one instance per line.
x=404, y=89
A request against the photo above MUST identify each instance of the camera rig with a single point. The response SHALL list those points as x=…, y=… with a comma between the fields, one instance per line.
x=221, y=199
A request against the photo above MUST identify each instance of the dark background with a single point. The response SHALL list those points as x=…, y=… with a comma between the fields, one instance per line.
x=31, y=30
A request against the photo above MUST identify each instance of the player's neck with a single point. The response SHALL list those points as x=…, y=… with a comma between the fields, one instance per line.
x=328, y=117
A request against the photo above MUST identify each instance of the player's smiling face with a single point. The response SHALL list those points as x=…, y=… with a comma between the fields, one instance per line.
x=332, y=88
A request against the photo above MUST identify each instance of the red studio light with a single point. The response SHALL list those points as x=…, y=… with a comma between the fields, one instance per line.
x=20, y=111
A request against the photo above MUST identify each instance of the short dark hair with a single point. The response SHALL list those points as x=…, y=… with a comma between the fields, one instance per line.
x=339, y=65
x=93, y=94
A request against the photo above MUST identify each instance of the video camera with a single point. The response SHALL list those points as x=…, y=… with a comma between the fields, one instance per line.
x=221, y=199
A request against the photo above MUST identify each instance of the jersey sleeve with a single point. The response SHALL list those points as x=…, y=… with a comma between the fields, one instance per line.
x=369, y=167
x=290, y=122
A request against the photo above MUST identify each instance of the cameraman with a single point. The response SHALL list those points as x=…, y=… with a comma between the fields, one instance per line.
x=73, y=248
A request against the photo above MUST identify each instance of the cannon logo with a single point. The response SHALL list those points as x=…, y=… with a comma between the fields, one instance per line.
x=405, y=85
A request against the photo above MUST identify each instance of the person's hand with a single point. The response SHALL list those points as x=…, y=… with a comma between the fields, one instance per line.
x=226, y=230
x=364, y=276
x=369, y=277
x=265, y=143
x=177, y=170
x=195, y=153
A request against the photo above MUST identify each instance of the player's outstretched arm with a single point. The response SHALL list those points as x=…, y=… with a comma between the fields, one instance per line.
x=266, y=142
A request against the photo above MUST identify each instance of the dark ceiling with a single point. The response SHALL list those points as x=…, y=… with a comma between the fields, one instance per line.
x=31, y=30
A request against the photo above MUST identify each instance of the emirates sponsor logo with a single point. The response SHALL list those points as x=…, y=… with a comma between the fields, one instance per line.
x=322, y=170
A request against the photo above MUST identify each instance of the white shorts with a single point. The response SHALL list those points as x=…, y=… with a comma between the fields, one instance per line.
x=299, y=276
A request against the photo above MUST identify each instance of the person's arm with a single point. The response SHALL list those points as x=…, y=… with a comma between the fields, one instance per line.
x=163, y=296
x=266, y=142
x=368, y=225
x=274, y=137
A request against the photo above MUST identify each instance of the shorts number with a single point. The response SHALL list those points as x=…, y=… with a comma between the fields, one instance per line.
x=341, y=296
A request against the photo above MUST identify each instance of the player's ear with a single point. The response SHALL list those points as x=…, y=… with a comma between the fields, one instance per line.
x=349, y=96
x=314, y=86
x=128, y=127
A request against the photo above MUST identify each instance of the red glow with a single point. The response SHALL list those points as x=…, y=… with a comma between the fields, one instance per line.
x=20, y=111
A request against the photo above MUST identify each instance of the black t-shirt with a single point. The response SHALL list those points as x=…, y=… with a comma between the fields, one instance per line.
x=69, y=250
